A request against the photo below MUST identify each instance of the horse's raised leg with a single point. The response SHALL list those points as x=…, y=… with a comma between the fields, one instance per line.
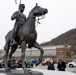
x=23, y=47
x=6, y=48
x=36, y=45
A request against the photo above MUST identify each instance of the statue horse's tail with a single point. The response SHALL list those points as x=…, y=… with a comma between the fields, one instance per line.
x=5, y=48
x=5, y=43
x=7, y=39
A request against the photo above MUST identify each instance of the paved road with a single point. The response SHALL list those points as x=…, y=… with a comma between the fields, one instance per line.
x=67, y=68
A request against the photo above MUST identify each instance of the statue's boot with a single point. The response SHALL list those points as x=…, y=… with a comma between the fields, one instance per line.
x=13, y=42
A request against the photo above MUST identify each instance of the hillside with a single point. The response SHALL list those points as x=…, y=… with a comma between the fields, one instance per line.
x=68, y=37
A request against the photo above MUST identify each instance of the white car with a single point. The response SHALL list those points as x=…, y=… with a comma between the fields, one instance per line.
x=72, y=64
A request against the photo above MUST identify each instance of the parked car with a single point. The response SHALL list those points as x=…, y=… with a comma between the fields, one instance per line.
x=29, y=64
x=34, y=61
x=2, y=63
x=45, y=62
x=72, y=64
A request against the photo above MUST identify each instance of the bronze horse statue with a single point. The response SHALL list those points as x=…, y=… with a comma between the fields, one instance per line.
x=26, y=35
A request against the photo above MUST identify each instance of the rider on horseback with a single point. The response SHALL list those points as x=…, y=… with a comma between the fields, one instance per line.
x=20, y=19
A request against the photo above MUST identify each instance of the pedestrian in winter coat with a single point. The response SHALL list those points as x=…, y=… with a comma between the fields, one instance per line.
x=51, y=65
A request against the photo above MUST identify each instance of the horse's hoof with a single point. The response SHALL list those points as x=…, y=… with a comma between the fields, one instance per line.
x=38, y=63
x=26, y=72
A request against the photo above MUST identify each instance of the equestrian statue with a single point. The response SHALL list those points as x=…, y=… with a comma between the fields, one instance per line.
x=25, y=35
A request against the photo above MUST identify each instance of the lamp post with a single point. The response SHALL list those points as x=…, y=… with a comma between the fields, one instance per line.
x=30, y=56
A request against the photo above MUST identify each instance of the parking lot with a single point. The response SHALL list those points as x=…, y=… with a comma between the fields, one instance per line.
x=45, y=67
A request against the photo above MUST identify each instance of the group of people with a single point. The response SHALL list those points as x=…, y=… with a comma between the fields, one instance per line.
x=61, y=65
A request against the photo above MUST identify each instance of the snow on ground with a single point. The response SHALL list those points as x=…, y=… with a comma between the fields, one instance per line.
x=47, y=72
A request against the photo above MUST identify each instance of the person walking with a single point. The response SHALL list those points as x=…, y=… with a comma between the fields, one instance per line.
x=61, y=65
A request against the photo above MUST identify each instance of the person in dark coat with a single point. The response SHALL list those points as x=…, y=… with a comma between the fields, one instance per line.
x=61, y=65
x=51, y=65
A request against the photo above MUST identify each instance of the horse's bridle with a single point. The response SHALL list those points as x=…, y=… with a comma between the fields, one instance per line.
x=37, y=20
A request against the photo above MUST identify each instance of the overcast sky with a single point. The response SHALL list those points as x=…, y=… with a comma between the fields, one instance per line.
x=61, y=17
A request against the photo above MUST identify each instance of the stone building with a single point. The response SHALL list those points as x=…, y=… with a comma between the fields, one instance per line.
x=49, y=51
